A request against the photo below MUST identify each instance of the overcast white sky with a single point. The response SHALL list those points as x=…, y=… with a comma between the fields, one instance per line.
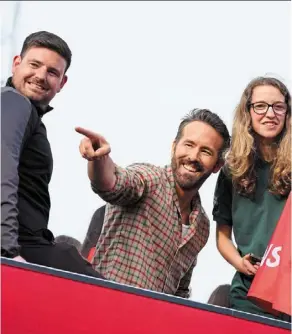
x=137, y=68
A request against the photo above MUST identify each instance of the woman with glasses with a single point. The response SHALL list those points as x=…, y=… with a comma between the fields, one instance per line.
x=253, y=186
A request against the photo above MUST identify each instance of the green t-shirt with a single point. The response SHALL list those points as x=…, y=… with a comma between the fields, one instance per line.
x=253, y=219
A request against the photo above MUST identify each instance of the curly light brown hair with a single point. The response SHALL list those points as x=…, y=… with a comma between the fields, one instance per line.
x=244, y=150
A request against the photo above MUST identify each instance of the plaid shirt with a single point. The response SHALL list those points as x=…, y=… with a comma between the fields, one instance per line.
x=141, y=243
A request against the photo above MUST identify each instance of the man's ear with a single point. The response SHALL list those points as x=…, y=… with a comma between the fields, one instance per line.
x=218, y=166
x=15, y=63
x=63, y=82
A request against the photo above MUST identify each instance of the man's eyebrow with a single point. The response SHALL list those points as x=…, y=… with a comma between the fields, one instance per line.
x=189, y=141
x=36, y=61
x=54, y=70
x=204, y=147
x=208, y=148
x=49, y=68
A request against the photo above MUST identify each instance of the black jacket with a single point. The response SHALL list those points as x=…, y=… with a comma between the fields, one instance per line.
x=26, y=169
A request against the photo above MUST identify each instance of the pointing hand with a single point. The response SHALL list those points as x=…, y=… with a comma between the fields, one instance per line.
x=93, y=146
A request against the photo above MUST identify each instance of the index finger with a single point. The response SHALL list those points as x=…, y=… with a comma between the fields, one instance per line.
x=87, y=133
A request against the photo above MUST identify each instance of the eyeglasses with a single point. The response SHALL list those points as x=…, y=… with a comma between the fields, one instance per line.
x=261, y=108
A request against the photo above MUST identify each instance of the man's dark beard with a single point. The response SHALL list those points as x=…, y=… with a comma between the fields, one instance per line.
x=189, y=183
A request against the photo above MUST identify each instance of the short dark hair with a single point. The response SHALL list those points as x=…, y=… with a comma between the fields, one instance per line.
x=48, y=40
x=220, y=296
x=208, y=117
x=94, y=231
x=68, y=240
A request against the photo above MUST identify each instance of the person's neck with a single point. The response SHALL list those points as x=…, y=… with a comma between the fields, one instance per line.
x=268, y=149
x=185, y=199
x=42, y=107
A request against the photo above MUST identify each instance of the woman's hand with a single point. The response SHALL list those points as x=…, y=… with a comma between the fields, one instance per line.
x=246, y=267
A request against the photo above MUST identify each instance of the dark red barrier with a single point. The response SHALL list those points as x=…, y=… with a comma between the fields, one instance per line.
x=40, y=300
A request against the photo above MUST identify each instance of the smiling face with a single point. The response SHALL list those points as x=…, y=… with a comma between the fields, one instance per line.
x=270, y=124
x=195, y=156
x=39, y=74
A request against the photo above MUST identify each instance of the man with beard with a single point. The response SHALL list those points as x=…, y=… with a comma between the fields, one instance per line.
x=39, y=73
x=154, y=223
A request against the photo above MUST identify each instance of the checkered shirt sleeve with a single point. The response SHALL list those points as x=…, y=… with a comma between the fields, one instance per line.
x=132, y=183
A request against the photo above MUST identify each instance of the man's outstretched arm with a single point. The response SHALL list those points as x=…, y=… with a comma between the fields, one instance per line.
x=116, y=185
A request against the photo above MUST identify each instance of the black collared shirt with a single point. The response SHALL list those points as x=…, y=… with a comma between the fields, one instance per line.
x=26, y=169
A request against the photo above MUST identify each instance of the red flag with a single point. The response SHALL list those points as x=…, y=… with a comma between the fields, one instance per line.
x=91, y=254
x=271, y=287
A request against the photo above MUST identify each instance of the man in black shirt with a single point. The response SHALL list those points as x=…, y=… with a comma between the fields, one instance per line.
x=39, y=73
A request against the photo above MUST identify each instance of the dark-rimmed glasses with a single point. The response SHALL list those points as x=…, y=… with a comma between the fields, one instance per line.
x=261, y=108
